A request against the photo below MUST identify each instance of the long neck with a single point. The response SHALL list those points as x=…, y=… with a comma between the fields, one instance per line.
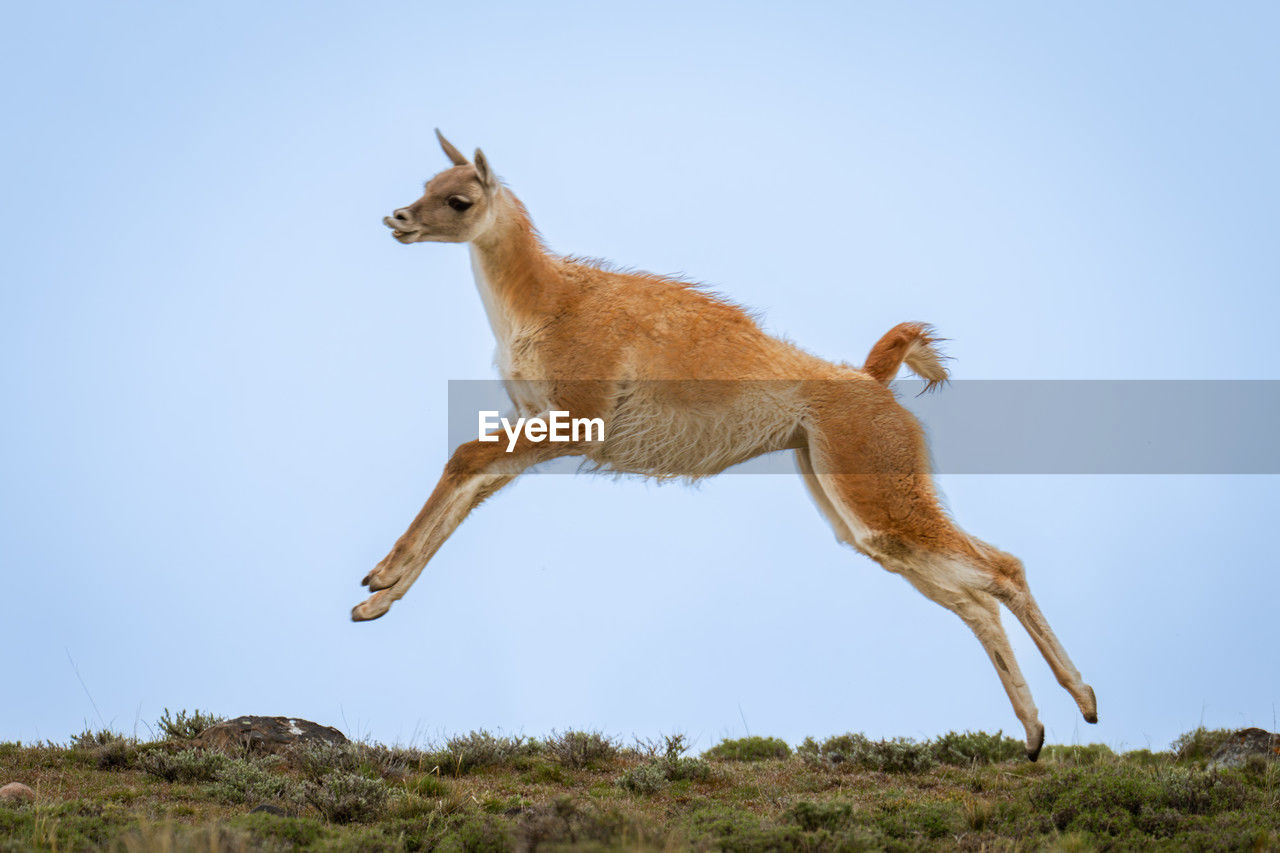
x=517, y=278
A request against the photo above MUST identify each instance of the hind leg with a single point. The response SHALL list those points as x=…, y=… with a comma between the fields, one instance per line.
x=1028, y=612
x=1016, y=595
x=893, y=516
x=956, y=586
x=980, y=612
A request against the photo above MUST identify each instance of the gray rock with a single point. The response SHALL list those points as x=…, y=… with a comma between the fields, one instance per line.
x=267, y=808
x=265, y=735
x=1237, y=749
x=16, y=792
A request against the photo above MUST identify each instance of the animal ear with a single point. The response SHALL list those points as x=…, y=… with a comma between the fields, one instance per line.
x=454, y=155
x=485, y=171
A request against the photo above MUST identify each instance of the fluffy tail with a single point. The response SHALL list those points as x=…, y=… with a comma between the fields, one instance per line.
x=912, y=343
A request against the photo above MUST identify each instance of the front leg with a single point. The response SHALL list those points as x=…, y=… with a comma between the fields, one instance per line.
x=476, y=470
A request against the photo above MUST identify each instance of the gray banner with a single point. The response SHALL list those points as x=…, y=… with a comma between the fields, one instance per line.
x=1035, y=426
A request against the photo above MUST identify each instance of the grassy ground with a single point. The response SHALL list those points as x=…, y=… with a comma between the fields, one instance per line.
x=581, y=790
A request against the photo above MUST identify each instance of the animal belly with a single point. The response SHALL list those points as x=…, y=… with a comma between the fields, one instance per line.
x=658, y=441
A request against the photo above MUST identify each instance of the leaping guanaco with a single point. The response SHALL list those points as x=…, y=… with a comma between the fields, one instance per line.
x=687, y=385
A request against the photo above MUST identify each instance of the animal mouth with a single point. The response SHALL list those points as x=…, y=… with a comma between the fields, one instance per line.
x=397, y=231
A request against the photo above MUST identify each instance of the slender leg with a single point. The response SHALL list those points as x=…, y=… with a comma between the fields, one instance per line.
x=981, y=613
x=1023, y=605
x=477, y=470
x=1008, y=583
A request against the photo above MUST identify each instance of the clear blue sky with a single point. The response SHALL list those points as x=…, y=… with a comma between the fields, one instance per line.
x=224, y=385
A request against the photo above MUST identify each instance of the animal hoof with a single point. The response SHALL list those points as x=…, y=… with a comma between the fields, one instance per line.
x=371, y=608
x=1034, y=744
x=380, y=578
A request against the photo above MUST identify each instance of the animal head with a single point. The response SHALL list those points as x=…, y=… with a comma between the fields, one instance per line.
x=457, y=205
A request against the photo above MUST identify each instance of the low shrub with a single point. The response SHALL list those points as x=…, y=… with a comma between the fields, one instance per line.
x=690, y=769
x=647, y=778
x=464, y=753
x=1199, y=743
x=106, y=749
x=234, y=780
x=346, y=797
x=544, y=771
x=244, y=780
x=909, y=820
x=578, y=825
x=481, y=834
x=1113, y=800
x=578, y=749
x=190, y=765
x=672, y=766
x=826, y=815
x=1078, y=755
x=857, y=751
x=316, y=759
x=185, y=726
x=976, y=748
x=117, y=755
x=753, y=748
x=286, y=832
x=89, y=739
x=1147, y=758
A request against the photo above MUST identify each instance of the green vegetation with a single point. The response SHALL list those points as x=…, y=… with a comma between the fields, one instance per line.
x=976, y=748
x=660, y=769
x=1198, y=744
x=577, y=750
x=858, y=752
x=185, y=726
x=749, y=749
x=463, y=754
x=584, y=790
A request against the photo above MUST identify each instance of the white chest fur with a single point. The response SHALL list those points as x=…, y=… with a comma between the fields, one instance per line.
x=515, y=355
x=499, y=320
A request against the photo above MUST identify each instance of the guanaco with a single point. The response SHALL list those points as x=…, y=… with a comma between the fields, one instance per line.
x=687, y=385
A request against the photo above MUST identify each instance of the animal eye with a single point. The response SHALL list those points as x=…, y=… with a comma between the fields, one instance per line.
x=458, y=203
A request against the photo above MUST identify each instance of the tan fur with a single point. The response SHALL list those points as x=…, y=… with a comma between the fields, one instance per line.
x=912, y=343
x=687, y=385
